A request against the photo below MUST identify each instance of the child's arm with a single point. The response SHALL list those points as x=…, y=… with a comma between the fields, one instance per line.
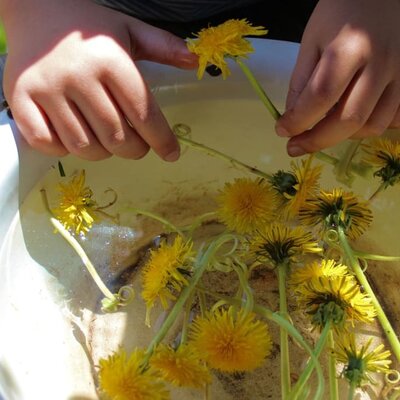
x=346, y=82
x=71, y=79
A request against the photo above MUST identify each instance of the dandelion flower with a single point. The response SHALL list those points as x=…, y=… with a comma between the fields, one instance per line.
x=359, y=361
x=337, y=208
x=338, y=299
x=213, y=44
x=294, y=187
x=76, y=209
x=316, y=269
x=280, y=244
x=384, y=154
x=122, y=378
x=231, y=340
x=246, y=204
x=181, y=367
x=164, y=273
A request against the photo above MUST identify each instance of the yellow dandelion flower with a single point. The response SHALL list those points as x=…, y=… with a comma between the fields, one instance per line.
x=213, y=44
x=163, y=275
x=280, y=244
x=337, y=208
x=316, y=269
x=76, y=209
x=294, y=187
x=338, y=299
x=359, y=361
x=181, y=367
x=384, y=154
x=246, y=204
x=122, y=378
x=230, y=340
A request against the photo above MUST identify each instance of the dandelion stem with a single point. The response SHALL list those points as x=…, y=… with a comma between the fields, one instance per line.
x=212, y=152
x=284, y=343
x=374, y=257
x=244, y=284
x=198, y=221
x=258, y=88
x=343, y=167
x=352, y=390
x=333, y=382
x=380, y=189
x=385, y=323
x=305, y=375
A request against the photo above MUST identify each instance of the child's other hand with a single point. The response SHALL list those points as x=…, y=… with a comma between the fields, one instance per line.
x=72, y=83
x=346, y=83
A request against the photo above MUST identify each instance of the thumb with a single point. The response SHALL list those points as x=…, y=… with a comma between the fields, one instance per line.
x=154, y=44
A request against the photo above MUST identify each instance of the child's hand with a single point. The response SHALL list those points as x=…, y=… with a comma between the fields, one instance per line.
x=346, y=83
x=72, y=84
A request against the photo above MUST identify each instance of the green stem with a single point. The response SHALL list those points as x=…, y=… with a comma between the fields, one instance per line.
x=343, y=167
x=305, y=375
x=212, y=152
x=352, y=390
x=198, y=222
x=385, y=323
x=374, y=257
x=380, y=189
x=333, y=381
x=244, y=284
x=284, y=343
x=258, y=89
x=186, y=318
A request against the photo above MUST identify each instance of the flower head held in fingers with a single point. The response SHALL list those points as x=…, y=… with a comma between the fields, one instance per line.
x=331, y=209
x=166, y=272
x=121, y=377
x=231, y=340
x=246, y=204
x=213, y=44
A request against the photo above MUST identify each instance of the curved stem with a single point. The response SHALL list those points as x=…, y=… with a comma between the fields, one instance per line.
x=333, y=382
x=244, y=284
x=374, y=257
x=385, y=323
x=343, y=167
x=215, y=153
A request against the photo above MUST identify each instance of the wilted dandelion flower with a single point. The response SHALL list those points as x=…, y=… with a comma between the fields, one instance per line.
x=122, y=378
x=76, y=208
x=280, y=244
x=163, y=275
x=294, y=187
x=337, y=208
x=384, y=154
x=316, y=269
x=181, y=367
x=246, y=204
x=359, y=361
x=231, y=340
x=215, y=43
x=338, y=299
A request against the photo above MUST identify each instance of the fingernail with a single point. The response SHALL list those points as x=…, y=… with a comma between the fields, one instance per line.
x=281, y=131
x=173, y=156
x=295, y=151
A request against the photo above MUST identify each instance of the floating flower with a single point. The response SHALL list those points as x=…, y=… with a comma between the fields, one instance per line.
x=122, y=378
x=163, y=275
x=231, y=340
x=316, y=269
x=384, y=154
x=359, y=361
x=294, y=187
x=337, y=208
x=338, y=299
x=213, y=44
x=76, y=209
x=280, y=244
x=181, y=367
x=246, y=204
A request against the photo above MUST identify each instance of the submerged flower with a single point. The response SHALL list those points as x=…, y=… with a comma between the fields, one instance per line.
x=280, y=244
x=231, y=340
x=337, y=208
x=181, y=367
x=384, y=154
x=336, y=299
x=316, y=269
x=294, y=187
x=246, y=204
x=359, y=361
x=76, y=209
x=213, y=44
x=121, y=377
x=163, y=275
